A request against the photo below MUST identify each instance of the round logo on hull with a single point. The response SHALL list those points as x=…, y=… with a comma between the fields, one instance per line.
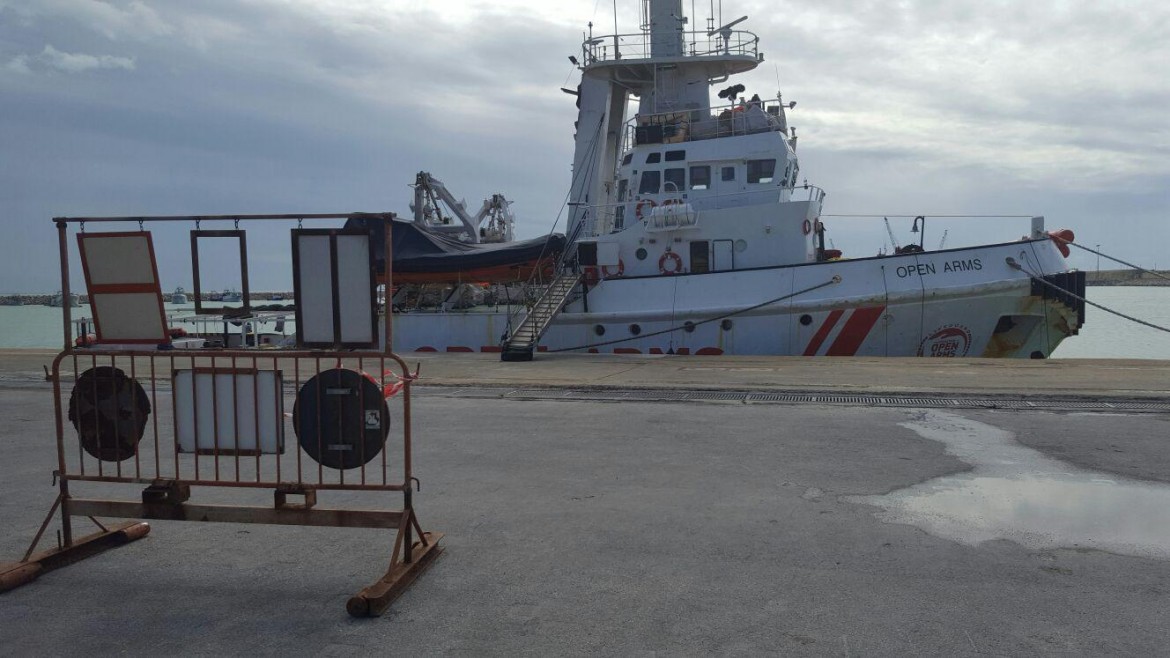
x=949, y=341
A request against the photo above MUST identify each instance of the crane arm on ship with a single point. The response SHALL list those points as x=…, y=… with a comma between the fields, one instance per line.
x=430, y=191
x=893, y=241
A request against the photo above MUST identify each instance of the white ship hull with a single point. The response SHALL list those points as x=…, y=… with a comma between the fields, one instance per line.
x=954, y=303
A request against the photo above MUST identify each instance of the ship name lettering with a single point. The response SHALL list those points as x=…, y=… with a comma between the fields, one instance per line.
x=921, y=269
x=969, y=265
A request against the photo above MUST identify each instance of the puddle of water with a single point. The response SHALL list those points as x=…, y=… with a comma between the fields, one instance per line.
x=1017, y=493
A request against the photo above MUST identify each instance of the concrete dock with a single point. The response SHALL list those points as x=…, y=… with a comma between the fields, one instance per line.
x=729, y=505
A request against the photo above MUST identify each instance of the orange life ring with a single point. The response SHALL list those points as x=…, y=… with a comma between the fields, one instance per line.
x=621, y=269
x=672, y=257
x=643, y=203
x=590, y=275
x=806, y=227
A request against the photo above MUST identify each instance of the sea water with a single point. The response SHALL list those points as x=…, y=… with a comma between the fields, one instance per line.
x=1104, y=336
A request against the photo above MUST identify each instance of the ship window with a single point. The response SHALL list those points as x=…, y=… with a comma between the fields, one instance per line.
x=761, y=171
x=626, y=160
x=728, y=173
x=676, y=180
x=675, y=156
x=654, y=158
x=650, y=182
x=700, y=177
x=621, y=194
x=619, y=218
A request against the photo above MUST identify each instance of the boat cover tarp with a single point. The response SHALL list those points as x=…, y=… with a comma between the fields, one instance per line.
x=419, y=251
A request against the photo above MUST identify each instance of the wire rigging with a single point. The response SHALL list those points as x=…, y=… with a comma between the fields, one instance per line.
x=834, y=280
x=1016, y=266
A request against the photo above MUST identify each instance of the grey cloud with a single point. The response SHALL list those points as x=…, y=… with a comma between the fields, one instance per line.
x=966, y=106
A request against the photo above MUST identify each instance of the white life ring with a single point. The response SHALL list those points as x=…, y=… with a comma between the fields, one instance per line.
x=806, y=227
x=671, y=257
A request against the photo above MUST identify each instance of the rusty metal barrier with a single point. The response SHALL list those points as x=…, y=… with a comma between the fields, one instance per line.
x=303, y=424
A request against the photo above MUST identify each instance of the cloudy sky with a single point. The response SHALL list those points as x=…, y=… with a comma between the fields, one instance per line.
x=980, y=107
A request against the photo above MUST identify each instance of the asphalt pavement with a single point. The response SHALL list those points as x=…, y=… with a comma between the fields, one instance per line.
x=679, y=528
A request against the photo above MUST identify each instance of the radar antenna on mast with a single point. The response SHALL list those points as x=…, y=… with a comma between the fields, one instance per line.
x=725, y=33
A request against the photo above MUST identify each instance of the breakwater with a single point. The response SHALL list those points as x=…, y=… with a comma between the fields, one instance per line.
x=1127, y=278
x=44, y=299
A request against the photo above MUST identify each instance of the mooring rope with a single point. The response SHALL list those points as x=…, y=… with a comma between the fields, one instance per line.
x=836, y=279
x=1016, y=266
x=1118, y=260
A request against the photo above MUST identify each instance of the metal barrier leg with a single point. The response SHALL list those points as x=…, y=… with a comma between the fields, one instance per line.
x=13, y=575
x=375, y=599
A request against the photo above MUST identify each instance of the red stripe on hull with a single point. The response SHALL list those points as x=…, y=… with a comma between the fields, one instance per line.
x=814, y=345
x=855, y=331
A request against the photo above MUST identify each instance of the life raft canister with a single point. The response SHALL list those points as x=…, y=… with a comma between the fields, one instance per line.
x=670, y=257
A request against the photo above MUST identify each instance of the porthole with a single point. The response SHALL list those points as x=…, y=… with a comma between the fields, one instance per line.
x=599, y=330
x=640, y=254
x=726, y=325
x=806, y=319
x=741, y=246
x=635, y=329
x=689, y=327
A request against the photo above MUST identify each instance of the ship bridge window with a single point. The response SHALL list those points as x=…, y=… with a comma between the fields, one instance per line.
x=651, y=180
x=621, y=192
x=700, y=177
x=626, y=160
x=676, y=180
x=761, y=171
x=728, y=173
x=654, y=158
x=675, y=156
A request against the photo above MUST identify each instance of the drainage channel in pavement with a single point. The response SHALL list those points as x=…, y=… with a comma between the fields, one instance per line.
x=764, y=397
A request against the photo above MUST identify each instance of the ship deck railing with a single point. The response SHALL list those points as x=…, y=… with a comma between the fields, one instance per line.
x=601, y=218
x=698, y=43
x=682, y=126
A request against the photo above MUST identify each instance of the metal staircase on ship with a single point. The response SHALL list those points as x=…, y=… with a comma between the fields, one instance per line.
x=520, y=344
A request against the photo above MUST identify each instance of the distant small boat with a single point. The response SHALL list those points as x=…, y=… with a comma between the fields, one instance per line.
x=179, y=296
x=14, y=300
x=57, y=300
x=232, y=296
x=276, y=297
x=215, y=296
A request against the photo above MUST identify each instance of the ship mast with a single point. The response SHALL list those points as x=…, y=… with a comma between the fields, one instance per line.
x=654, y=67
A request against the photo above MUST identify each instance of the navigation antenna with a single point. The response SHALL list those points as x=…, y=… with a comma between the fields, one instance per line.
x=725, y=32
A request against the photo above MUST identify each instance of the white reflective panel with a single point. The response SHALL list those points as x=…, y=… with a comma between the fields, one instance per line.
x=353, y=286
x=123, y=288
x=118, y=259
x=240, y=412
x=315, y=283
x=129, y=317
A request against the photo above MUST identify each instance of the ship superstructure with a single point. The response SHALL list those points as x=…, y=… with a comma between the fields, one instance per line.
x=692, y=231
